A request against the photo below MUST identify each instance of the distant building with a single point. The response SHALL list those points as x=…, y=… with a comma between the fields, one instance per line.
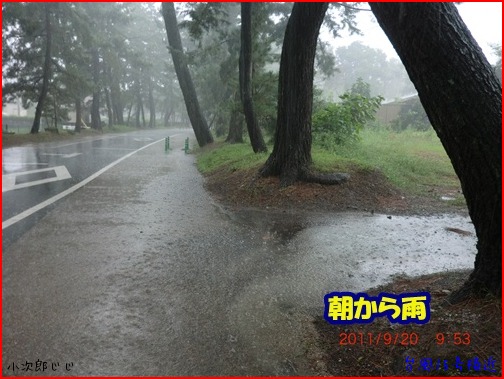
x=14, y=108
x=389, y=109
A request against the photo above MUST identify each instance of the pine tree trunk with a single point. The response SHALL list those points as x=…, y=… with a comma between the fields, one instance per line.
x=235, y=134
x=255, y=135
x=95, y=105
x=129, y=114
x=142, y=112
x=138, y=105
x=108, y=104
x=78, y=115
x=167, y=115
x=463, y=99
x=291, y=156
x=46, y=73
x=198, y=122
x=115, y=95
x=152, y=106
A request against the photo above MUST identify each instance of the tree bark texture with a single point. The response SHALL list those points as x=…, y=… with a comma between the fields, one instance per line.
x=463, y=100
x=46, y=71
x=152, y=106
x=129, y=113
x=168, y=113
x=235, y=134
x=291, y=156
x=95, y=105
x=139, y=104
x=245, y=72
x=115, y=95
x=78, y=115
x=198, y=122
x=108, y=104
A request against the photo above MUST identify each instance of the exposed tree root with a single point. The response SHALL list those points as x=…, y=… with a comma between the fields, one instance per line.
x=326, y=179
x=470, y=289
x=291, y=174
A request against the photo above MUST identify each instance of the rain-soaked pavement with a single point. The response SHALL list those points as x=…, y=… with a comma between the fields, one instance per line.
x=140, y=272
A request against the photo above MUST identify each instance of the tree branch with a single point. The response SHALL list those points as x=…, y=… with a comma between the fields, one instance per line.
x=352, y=8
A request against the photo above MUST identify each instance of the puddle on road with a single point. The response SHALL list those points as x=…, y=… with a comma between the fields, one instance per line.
x=356, y=251
x=276, y=227
x=310, y=255
x=314, y=254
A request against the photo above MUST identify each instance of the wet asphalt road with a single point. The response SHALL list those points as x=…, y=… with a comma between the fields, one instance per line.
x=140, y=272
x=60, y=166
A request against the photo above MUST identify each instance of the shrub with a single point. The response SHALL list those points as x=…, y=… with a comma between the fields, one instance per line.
x=340, y=123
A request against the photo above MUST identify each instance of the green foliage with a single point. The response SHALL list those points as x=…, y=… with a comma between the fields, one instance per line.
x=340, y=123
x=414, y=161
x=265, y=94
x=360, y=87
x=129, y=40
x=230, y=156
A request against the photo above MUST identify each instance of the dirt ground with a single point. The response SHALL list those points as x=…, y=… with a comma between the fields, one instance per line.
x=365, y=191
x=459, y=340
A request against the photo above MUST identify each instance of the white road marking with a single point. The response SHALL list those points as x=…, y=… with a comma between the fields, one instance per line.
x=142, y=139
x=32, y=210
x=9, y=180
x=62, y=155
x=112, y=148
x=79, y=142
x=23, y=164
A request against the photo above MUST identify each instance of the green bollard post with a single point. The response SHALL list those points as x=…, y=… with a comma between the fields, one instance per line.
x=167, y=144
x=186, y=146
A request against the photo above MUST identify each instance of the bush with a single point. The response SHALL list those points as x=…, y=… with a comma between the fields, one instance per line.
x=340, y=123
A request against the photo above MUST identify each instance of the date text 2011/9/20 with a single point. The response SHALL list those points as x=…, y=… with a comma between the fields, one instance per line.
x=370, y=339
x=404, y=338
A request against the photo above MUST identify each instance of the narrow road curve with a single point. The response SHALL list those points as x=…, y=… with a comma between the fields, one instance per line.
x=141, y=273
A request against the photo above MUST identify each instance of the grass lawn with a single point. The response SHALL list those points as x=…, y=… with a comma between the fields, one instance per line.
x=413, y=161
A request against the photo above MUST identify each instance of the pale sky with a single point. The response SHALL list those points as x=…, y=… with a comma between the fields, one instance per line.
x=484, y=20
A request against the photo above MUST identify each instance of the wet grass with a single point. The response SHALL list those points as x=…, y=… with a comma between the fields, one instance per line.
x=229, y=156
x=415, y=162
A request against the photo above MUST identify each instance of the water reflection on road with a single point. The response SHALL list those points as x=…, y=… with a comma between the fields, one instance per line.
x=355, y=251
x=142, y=273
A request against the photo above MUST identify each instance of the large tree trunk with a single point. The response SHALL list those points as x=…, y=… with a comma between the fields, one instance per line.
x=138, y=103
x=235, y=134
x=78, y=115
x=255, y=135
x=463, y=99
x=46, y=73
x=95, y=105
x=198, y=122
x=152, y=106
x=291, y=156
x=142, y=112
x=167, y=114
x=129, y=113
x=108, y=104
x=115, y=98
